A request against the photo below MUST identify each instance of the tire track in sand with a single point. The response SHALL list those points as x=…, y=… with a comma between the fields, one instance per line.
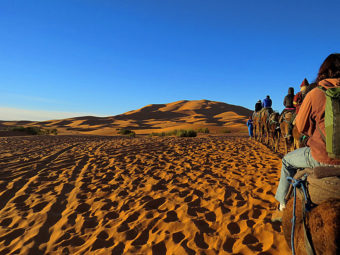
x=19, y=184
x=56, y=210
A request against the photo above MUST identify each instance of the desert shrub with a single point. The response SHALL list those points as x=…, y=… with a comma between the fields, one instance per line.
x=124, y=131
x=173, y=132
x=20, y=129
x=132, y=134
x=127, y=132
x=29, y=130
x=226, y=131
x=191, y=133
x=186, y=133
x=176, y=132
x=35, y=130
x=203, y=130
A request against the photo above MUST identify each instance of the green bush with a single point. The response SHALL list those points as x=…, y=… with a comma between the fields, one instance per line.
x=186, y=133
x=35, y=130
x=203, y=130
x=126, y=132
x=132, y=134
x=29, y=130
x=176, y=132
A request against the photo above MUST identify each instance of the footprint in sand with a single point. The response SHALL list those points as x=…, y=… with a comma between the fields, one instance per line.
x=177, y=237
x=228, y=244
x=233, y=228
x=252, y=242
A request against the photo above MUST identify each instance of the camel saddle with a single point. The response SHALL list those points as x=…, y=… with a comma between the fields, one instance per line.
x=322, y=183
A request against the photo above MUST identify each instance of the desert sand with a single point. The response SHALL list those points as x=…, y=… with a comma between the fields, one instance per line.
x=114, y=195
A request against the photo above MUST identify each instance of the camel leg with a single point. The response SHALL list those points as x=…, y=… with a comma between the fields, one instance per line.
x=278, y=140
x=286, y=146
x=292, y=145
x=274, y=142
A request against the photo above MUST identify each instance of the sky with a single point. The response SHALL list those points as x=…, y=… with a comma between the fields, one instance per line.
x=71, y=58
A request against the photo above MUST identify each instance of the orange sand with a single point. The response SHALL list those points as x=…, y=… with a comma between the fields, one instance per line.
x=106, y=195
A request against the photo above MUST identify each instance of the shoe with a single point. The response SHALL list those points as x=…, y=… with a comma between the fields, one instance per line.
x=277, y=216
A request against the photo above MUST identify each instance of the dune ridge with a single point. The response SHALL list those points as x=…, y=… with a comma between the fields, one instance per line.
x=154, y=118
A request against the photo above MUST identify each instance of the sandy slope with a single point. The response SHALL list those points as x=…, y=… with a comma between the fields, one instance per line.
x=154, y=118
x=102, y=195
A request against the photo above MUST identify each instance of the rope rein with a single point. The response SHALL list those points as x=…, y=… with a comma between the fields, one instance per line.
x=297, y=184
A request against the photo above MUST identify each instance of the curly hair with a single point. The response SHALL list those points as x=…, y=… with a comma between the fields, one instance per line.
x=330, y=68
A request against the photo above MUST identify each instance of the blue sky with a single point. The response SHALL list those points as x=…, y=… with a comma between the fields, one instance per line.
x=80, y=57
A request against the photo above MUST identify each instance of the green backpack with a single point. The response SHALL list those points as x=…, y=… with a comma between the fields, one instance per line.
x=332, y=122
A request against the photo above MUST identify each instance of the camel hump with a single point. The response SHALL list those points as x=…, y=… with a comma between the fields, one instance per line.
x=289, y=115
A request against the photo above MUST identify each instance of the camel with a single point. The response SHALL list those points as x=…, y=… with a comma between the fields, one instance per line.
x=323, y=223
x=263, y=124
x=274, y=130
x=323, y=220
x=296, y=136
x=256, y=125
x=285, y=119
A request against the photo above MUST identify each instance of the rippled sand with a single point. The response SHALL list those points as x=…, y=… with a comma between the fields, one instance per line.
x=106, y=195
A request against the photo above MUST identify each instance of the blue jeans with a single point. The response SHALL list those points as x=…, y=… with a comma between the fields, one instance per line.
x=291, y=163
x=250, y=130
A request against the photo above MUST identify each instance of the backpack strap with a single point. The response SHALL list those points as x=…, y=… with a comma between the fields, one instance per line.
x=317, y=126
x=322, y=88
x=322, y=135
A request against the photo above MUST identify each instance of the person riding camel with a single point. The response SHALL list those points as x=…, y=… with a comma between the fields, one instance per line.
x=288, y=101
x=298, y=99
x=258, y=106
x=267, y=102
x=289, y=107
x=311, y=122
x=266, y=106
x=300, y=95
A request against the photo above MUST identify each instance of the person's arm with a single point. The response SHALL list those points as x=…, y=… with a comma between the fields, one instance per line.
x=295, y=99
x=303, y=122
x=285, y=101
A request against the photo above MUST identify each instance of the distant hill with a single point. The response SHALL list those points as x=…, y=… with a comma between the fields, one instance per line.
x=153, y=118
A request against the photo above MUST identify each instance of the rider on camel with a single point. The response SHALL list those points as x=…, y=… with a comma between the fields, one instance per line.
x=288, y=101
x=267, y=103
x=258, y=106
x=300, y=95
x=311, y=122
x=266, y=106
x=289, y=107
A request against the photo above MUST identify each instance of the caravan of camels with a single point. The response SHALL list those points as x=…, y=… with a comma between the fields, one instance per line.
x=310, y=125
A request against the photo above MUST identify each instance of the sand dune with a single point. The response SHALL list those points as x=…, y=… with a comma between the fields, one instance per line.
x=111, y=195
x=154, y=118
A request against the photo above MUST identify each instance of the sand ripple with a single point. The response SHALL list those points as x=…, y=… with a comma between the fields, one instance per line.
x=102, y=195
